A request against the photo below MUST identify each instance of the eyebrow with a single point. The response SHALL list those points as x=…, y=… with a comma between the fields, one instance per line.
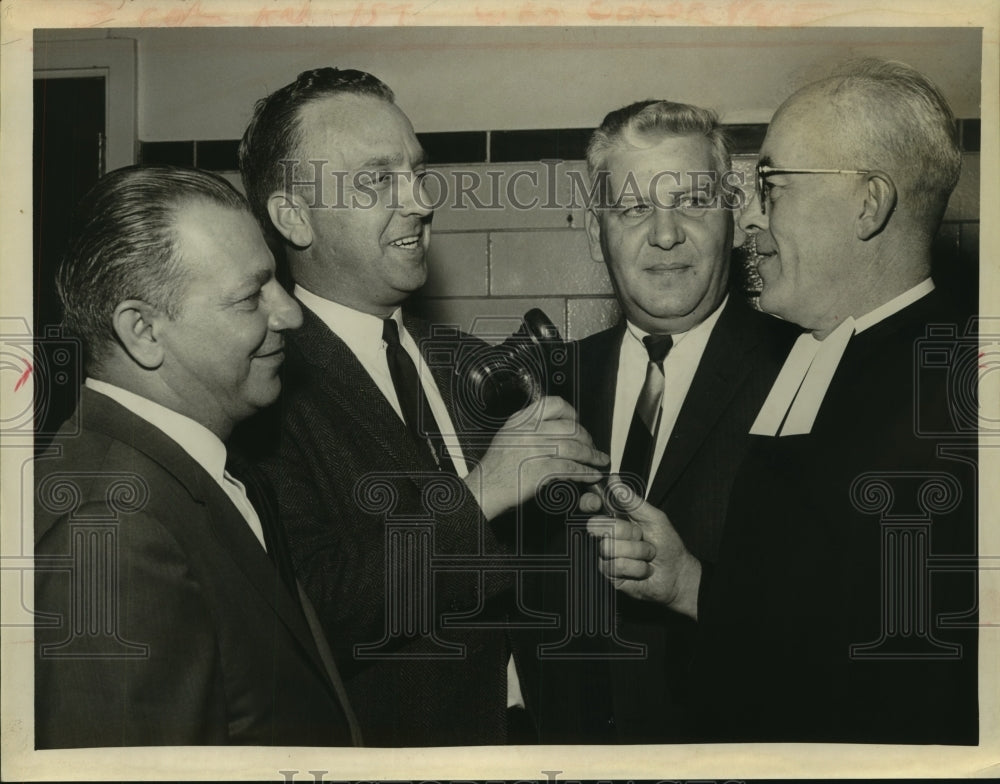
x=394, y=160
x=631, y=199
x=251, y=283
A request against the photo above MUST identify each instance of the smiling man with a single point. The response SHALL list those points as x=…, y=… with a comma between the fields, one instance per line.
x=167, y=611
x=829, y=616
x=372, y=433
x=671, y=390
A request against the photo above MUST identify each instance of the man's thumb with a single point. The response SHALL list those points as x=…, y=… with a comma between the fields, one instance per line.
x=620, y=499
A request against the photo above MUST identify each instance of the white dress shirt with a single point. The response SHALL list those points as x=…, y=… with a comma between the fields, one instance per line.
x=204, y=447
x=679, y=367
x=795, y=398
x=362, y=332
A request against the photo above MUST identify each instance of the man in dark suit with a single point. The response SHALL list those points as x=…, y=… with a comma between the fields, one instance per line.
x=390, y=484
x=843, y=605
x=162, y=620
x=664, y=228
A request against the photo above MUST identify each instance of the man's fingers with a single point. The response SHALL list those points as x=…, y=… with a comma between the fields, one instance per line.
x=591, y=503
x=646, y=514
x=613, y=528
x=558, y=468
x=551, y=411
x=560, y=431
x=580, y=452
x=529, y=426
x=558, y=417
x=625, y=568
x=553, y=407
x=617, y=549
x=620, y=498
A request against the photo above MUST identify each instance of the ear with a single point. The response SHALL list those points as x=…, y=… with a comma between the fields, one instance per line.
x=593, y=225
x=879, y=203
x=136, y=323
x=290, y=217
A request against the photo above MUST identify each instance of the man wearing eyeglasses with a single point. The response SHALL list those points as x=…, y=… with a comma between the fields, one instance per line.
x=843, y=605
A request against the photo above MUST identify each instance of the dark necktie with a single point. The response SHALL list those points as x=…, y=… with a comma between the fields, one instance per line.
x=637, y=459
x=412, y=400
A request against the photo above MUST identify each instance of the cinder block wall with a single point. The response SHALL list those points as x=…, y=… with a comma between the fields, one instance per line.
x=495, y=265
x=496, y=102
x=490, y=264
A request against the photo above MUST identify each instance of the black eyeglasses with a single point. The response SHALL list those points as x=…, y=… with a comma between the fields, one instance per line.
x=765, y=170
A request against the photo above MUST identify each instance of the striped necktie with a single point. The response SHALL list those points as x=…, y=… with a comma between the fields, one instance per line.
x=637, y=458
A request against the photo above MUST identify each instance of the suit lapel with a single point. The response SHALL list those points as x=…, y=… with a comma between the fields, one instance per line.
x=266, y=505
x=236, y=539
x=598, y=382
x=316, y=351
x=225, y=522
x=726, y=361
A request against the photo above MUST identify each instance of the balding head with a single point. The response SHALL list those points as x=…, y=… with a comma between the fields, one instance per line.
x=875, y=114
x=856, y=173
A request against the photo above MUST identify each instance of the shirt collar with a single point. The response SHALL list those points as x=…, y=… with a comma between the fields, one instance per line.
x=703, y=328
x=197, y=440
x=362, y=332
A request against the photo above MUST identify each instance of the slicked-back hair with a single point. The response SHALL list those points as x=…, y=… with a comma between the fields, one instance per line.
x=275, y=130
x=900, y=122
x=123, y=246
x=654, y=119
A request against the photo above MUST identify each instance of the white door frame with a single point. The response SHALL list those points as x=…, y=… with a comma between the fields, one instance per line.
x=114, y=59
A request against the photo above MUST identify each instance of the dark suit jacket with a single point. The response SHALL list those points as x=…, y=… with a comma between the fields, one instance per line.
x=366, y=510
x=843, y=606
x=635, y=701
x=161, y=620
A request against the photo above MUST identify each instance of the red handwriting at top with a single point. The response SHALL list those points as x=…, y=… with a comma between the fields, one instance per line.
x=525, y=13
x=759, y=12
x=370, y=13
x=179, y=15
x=288, y=15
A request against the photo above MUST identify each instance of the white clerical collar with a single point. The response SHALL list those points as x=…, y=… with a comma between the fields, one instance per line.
x=893, y=306
x=197, y=440
x=795, y=398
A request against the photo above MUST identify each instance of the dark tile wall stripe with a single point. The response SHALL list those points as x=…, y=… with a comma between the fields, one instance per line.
x=454, y=147
x=169, y=153
x=451, y=147
x=745, y=139
x=971, y=130
x=568, y=144
x=217, y=156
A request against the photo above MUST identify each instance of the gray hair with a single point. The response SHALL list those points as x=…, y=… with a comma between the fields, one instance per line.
x=904, y=127
x=657, y=118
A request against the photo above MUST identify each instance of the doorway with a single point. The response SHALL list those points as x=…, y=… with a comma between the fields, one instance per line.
x=69, y=135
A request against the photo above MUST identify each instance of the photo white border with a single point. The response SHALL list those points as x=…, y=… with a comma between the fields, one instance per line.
x=18, y=19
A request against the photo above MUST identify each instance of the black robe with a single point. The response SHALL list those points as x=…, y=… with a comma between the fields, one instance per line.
x=843, y=606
